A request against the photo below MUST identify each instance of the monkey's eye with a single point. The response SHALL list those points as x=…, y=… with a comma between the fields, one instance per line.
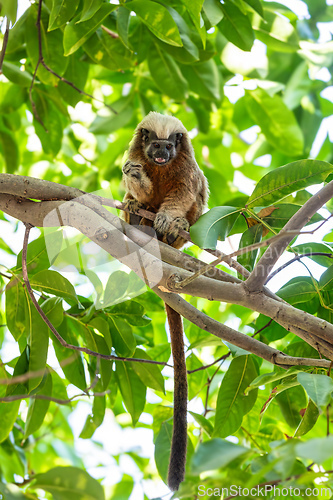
x=168, y=146
x=156, y=145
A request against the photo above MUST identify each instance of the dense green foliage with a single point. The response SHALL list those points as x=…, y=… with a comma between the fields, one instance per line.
x=181, y=58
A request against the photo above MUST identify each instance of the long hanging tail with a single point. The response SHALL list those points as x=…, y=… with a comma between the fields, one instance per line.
x=179, y=436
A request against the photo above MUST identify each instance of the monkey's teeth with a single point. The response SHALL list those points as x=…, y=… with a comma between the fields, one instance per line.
x=160, y=160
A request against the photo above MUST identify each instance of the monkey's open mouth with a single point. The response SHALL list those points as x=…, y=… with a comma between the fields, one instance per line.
x=160, y=160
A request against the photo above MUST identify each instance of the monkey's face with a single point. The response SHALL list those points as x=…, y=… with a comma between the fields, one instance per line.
x=160, y=151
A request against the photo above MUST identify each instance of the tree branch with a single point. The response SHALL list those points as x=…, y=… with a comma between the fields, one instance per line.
x=241, y=340
x=4, y=45
x=265, y=265
x=119, y=239
x=38, y=189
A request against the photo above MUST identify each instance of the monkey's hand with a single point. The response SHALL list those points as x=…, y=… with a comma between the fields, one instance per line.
x=168, y=227
x=133, y=170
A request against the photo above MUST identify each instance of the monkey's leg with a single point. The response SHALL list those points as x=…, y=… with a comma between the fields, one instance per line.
x=177, y=462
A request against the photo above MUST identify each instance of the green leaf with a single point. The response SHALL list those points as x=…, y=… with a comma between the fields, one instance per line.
x=9, y=150
x=109, y=124
x=76, y=34
x=116, y=287
x=298, y=291
x=95, y=419
x=61, y=13
x=204, y=423
x=38, y=341
x=15, y=75
x=232, y=404
x=54, y=283
x=326, y=279
x=76, y=73
x=215, y=454
x=203, y=79
x=123, y=19
x=194, y=9
x=236, y=27
x=251, y=236
x=213, y=11
x=276, y=121
x=279, y=218
x=317, y=450
x=318, y=387
x=8, y=415
x=256, y=5
x=150, y=374
x=132, y=390
x=37, y=257
x=166, y=73
x=291, y=400
x=309, y=419
x=313, y=247
x=276, y=31
x=53, y=54
x=12, y=492
x=38, y=407
x=100, y=324
x=157, y=19
x=50, y=132
x=282, y=181
x=131, y=311
x=9, y=9
x=216, y=223
x=122, y=337
x=90, y=7
x=54, y=310
x=70, y=361
x=109, y=52
x=162, y=450
x=15, y=308
x=269, y=378
x=66, y=483
x=13, y=96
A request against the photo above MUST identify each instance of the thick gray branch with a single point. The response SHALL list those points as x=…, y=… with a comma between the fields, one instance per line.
x=238, y=339
x=145, y=259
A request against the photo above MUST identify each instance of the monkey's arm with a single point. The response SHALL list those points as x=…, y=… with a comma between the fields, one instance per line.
x=137, y=182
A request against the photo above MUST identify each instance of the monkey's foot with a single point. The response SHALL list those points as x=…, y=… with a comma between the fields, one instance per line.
x=162, y=223
x=133, y=169
x=177, y=225
x=133, y=205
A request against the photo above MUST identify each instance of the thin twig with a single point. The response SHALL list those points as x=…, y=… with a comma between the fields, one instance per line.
x=294, y=259
x=262, y=328
x=236, y=253
x=4, y=45
x=51, y=327
x=18, y=397
x=5, y=276
x=222, y=358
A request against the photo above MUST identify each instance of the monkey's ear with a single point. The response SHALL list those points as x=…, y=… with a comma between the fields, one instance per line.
x=145, y=134
x=178, y=138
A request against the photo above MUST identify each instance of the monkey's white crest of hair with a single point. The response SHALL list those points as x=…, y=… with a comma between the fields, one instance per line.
x=163, y=125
